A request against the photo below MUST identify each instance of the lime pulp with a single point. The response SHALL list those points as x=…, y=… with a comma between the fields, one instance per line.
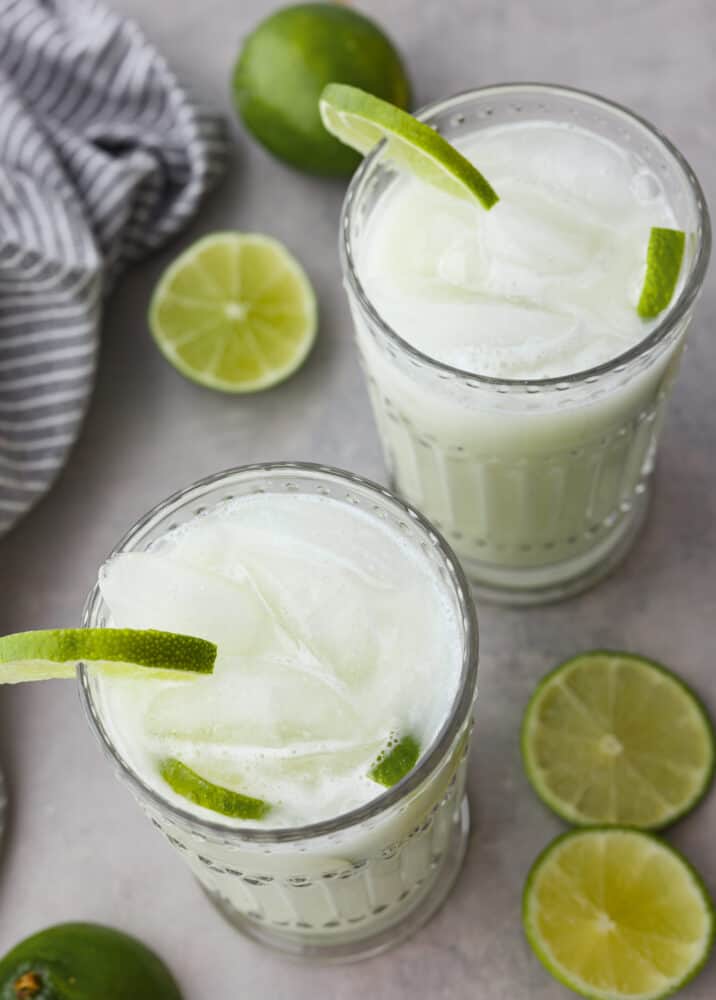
x=616, y=914
x=609, y=737
x=235, y=312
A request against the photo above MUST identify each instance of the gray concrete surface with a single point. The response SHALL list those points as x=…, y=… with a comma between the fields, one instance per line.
x=77, y=846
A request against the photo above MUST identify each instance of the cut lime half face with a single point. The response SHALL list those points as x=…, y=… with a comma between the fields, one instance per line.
x=235, y=312
x=616, y=914
x=121, y=652
x=609, y=737
x=361, y=120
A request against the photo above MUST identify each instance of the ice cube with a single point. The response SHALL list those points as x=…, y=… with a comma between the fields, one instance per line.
x=646, y=187
x=462, y=263
x=252, y=703
x=152, y=590
x=536, y=233
x=332, y=611
x=577, y=166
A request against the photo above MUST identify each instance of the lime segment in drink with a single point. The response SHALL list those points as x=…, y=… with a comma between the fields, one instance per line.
x=664, y=256
x=616, y=914
x=124, y=652
x=362, y=120
x=190, y=785
x=396, y=761
x=235, y=312
x=614, y=738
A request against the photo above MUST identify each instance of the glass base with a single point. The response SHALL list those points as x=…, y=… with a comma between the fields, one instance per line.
x=383, y=933
x=547, y=584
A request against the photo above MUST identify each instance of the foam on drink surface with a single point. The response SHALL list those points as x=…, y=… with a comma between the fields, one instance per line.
x=544, y=284
x=334, y=635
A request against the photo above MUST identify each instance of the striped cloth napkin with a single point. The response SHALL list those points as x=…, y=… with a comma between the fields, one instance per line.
x=103, y=157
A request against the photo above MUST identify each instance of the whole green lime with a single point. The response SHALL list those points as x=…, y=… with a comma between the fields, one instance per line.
x=286, y=62
x=84, y=962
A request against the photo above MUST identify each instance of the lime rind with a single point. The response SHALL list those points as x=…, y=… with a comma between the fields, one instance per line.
x=284, y=64
x=557, y=970
x=191, y=786
x=232, y=325
x=397, y=760
x=567, y=812
x=55, y=653
x=362, y=120
x=664, y=257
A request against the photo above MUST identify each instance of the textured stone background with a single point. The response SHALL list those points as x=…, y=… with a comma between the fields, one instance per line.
x=76, y=846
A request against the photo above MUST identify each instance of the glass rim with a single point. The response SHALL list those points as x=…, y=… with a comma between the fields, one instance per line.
x=672, y=317
x=458, y=714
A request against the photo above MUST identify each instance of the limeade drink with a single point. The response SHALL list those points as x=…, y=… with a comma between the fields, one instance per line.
x=338, y=638
x=517, y=391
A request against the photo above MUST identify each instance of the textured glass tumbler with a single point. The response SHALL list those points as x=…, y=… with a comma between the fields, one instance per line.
x=539, y=486
x=356, y=884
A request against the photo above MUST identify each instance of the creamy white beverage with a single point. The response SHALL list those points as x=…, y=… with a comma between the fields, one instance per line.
x=517, y=391
x=544, y=284
x=346, y=648
x=325, y=653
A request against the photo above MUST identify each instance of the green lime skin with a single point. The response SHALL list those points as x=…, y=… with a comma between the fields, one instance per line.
x=144, y=647
x=397, y=760
x=84, y=962
x=286, y=62
x=190, y=785
x=664, y=257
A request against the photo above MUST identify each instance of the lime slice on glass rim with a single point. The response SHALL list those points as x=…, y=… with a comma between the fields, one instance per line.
x=664, y=256
x=617, y=914
x=190, y=785
x=121, y=652
x=234, y=312
x=361, y=120
x=613, y=738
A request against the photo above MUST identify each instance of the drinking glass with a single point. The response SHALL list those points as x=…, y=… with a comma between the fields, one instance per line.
x=539, y=485
x=355, y=884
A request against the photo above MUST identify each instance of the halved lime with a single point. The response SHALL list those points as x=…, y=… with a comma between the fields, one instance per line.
x=190, y=785
x=235, y=312
x=398, y=758
x=663, y=265
x=361, y=120
x=609, y=737
x=616, y=914
x=122, y=652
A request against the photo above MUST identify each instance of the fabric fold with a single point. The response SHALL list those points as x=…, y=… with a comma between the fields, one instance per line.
x=103, y=157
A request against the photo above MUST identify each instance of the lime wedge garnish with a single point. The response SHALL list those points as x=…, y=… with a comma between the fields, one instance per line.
x=206, y=794
x=615, y=738
x=616, y=914
x=663, y=264
x=395, y=761
x=361, y=120
x=234, y=312
x=122, y=652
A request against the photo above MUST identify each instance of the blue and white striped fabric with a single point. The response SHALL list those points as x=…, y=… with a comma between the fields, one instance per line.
x=103, y=157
